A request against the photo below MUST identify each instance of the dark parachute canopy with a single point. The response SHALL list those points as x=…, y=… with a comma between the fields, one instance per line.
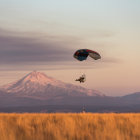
x=82, y=54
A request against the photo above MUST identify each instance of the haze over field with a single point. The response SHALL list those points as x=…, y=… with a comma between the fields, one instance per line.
x=43, y=35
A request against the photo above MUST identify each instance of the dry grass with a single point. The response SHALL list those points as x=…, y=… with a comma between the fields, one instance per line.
x=70, y=126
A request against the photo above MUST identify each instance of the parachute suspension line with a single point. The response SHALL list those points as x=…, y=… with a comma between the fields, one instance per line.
x=80, y=71
x=84, y=72
x=84, y=68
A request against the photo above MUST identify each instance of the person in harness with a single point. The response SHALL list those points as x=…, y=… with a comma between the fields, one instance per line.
x=81, y=79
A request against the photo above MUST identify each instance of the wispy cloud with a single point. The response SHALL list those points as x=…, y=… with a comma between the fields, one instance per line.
x=23, y=48
x=17, y=48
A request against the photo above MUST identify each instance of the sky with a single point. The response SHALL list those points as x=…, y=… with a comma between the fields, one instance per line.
x=43, y=35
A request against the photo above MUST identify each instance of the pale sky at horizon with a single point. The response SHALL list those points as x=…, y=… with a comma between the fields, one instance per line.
x=43, y=35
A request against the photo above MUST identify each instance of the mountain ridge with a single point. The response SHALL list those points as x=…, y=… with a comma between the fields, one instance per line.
x=37, y=82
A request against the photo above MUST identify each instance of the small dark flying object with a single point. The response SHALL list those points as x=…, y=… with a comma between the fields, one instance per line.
x=81, y=79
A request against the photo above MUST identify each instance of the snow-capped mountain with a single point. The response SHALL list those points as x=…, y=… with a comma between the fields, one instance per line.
x=39, y=85
x=36, y=90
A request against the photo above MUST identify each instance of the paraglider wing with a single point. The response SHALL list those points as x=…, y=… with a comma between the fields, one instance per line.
x=83, y=54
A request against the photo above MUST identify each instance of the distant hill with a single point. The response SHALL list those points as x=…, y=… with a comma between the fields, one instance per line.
x=133, y=98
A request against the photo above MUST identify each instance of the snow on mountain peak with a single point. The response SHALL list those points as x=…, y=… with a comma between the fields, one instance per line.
x=37, y=83
x=37, y=77
x=31, y=83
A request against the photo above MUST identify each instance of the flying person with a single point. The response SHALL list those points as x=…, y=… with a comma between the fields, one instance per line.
x=81, y=79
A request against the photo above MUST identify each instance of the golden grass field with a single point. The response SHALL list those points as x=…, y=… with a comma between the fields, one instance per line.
x=70, y=126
